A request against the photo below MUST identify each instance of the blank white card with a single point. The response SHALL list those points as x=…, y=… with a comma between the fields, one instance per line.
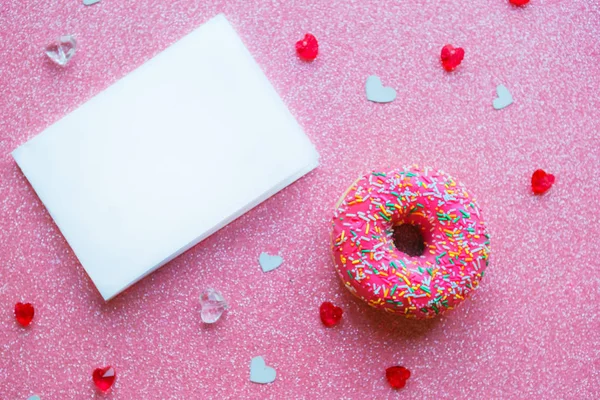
x=163, y=158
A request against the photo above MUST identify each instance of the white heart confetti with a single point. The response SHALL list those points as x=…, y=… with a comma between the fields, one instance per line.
x=504, y=98
x=269, y=262
x=259, y=372
x=378, y=93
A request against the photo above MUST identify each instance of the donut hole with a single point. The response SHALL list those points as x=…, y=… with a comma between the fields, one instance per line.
x=409, y=239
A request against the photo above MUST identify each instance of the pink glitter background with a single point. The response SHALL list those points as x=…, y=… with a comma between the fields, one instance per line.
x=531, y=331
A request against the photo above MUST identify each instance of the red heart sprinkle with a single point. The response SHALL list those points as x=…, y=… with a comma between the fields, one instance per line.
x=541, y=182
x=307, y=48
x=451, y=57
x=104, y=378
x=519, y=2
x=397, y=376
x=330, y=314
x=24, y=313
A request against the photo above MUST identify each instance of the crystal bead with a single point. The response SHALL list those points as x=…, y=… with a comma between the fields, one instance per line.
x=213, y=305
x=62, y=50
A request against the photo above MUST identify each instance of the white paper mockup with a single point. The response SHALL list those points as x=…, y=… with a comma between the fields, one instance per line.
x=166, y=156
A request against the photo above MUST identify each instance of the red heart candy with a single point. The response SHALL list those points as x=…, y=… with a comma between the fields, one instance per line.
x=451, y=57
x=307, y=48
x=104, y=378
x=330, y=314
x=541, y=181
x=519, y=2
x=397, y=376
x=24, y=313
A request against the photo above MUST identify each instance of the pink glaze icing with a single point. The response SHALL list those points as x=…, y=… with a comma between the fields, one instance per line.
x=457, y=245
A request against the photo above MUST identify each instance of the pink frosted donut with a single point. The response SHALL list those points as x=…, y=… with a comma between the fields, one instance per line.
x=410, y=241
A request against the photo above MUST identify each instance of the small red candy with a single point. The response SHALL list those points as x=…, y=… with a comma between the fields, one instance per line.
x=104, y=378
x=451, y=57
x=307, y=48
x=24, y=313
x=541, y=182
x=518, y=2
x=330, y=314
x=397, y=376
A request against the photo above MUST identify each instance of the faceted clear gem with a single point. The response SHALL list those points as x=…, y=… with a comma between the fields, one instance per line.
x=62, y=50
x=213, y=305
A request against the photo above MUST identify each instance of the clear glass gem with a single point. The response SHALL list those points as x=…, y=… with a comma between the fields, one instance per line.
x=62, y=50
x=213, y=305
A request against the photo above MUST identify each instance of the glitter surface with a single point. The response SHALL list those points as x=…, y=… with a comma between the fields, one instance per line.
x=531, y=331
